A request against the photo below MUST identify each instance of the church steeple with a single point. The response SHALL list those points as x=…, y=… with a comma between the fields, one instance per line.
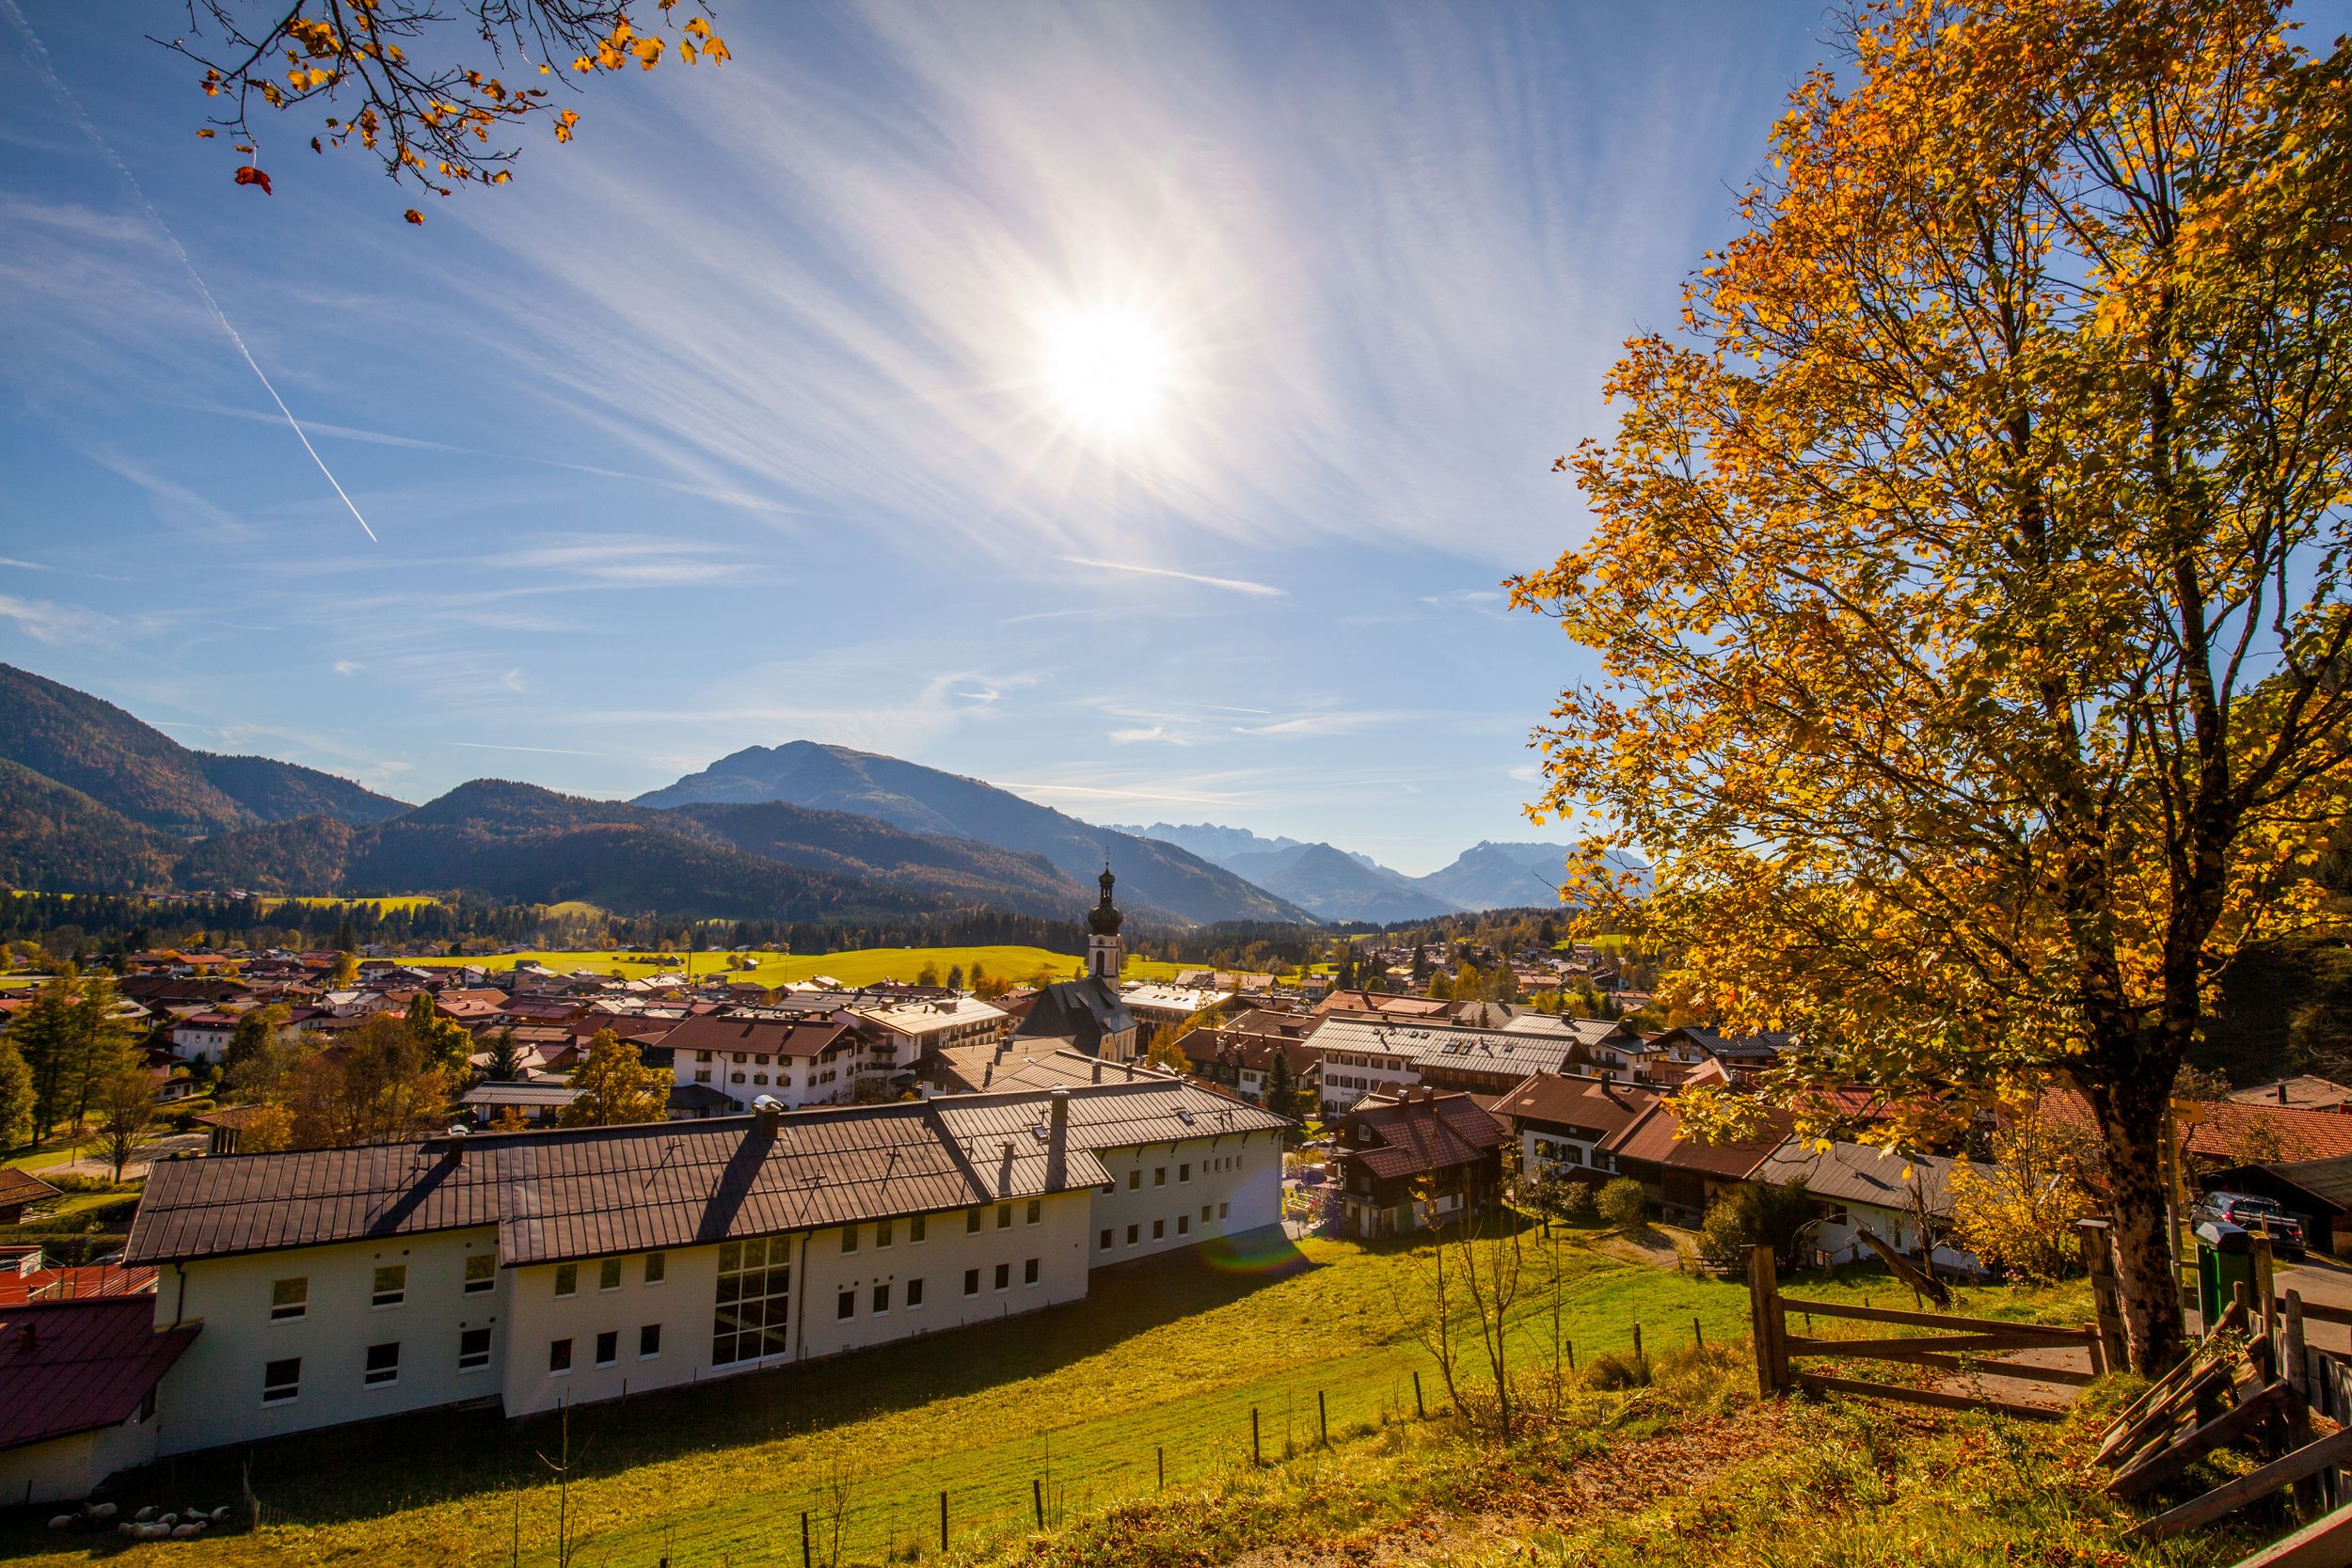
x=1106, y=955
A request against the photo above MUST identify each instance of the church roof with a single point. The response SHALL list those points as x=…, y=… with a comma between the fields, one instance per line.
x=1080, y=1011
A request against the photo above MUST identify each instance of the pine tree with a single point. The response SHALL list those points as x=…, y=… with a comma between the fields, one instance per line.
x=1281, y=1092
x=16, y=1099
x=44, y=1037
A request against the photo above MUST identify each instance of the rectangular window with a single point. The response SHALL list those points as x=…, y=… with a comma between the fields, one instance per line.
x=702, y=1075
x=559, y=1356
x=657, y=1267
x=1184, y=1173
x=1029, y=1272
x=882, y=1233
x=1004, y=1276
x=881, y=1297
x=482, y=1273
x=1159, y=1230
x=281, y=1381
x=608, y=1347
x=914, y=1293
x=914, y=1229
x=754, y=1295
x=649, y=1342
x=848, y=1238
x=1004, y=1216
x=391, y=1286
x=566, y=1280
x=1208, y=1212
x=474, y=1349
x=608, y=1275
x=1223, y=1210
x=846, y=1306
x=1106, y=1242
x=1159, y=1176
x=1184, y=1224
x=1134, y=1233
x=971, y=1282
x=288, y=1298
x=383, y=1365
x=1135, y=1179
x=972, y=1222
x=1037, y=1211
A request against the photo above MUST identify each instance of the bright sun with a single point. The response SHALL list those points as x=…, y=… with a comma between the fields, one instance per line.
x=1106, y=369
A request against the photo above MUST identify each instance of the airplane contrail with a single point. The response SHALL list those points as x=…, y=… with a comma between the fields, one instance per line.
x=73, y=108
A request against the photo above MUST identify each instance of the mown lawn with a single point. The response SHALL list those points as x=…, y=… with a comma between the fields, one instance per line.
x=862, y=967
x=1164, y=1362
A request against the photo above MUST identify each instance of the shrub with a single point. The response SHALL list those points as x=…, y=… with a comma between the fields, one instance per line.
x=1624, y=1204
x=1611, y=1372
x=1577, y=1205
x=1755, y=1213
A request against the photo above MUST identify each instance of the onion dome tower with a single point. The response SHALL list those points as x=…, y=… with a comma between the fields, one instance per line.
x=1106, y=955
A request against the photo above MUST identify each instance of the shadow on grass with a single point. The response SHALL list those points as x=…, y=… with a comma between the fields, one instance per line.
x=364, y=1471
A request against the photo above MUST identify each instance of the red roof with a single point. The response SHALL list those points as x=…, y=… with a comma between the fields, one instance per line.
x=1658, y=1139
x=78, y=1366
x=1551, y=1099
x=1425, y=1134
x=76, y=1284
x=2240, y=1134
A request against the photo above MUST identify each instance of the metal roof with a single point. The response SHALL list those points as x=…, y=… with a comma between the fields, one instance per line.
x=1440, y=1045
x=76, y=1366
x=1858, y=1173
x=587, y=1192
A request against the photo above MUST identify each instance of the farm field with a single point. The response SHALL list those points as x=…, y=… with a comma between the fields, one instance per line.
x=1074, y=1408
x=861, y=967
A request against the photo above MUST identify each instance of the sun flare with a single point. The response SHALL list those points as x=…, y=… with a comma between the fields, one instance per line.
x=1108, y=371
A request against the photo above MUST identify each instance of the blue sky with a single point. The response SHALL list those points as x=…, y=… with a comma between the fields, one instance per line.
x=740, y=418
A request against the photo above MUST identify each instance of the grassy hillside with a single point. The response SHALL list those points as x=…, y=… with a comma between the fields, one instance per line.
x=864, y=967
x=1164, y=1360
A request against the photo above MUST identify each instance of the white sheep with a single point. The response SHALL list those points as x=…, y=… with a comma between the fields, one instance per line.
x=220, y=1514
x=126, y=1528
x=143, y=1515
x=186, y=1533
x=157, y=1532
x=63, y=1521
x=100, y=1511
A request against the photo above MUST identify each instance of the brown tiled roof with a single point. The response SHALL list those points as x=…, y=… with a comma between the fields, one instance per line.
x=1580, y=1102
x=1657, y=1138
x=769, y=1036
x=587, y=1192
x=18, y=1186
x=2236, y=1133
x=1425, y=1134
x=77, y=1366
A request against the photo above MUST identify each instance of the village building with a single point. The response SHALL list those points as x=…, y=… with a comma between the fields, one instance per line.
x=537, y=1269
x=1683, y=1172
x=1564, y=1125
x=1421, y=1159
x=794, y=1060
x=1370, y=1053
x=78, y=1392
x=1855, y=1188
x=1090, y=1014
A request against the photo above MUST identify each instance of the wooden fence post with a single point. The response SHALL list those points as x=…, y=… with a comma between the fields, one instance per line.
x=1159, y=1458
x=1637, y=1342
x=1323, y=1418
x=2098, y=1244
x=1037, y=1499
x=1256, y=1454
x=1768, y=1322
x=943, y=1521
x=1421, y=1410
x=1698, y=1335
x=804, y=1538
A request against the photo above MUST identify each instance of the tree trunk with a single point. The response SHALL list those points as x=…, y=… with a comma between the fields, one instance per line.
x=2131, y=1123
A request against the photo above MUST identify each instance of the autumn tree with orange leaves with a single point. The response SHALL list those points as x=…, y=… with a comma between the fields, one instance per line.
x=438, y=92
x=1968, y=572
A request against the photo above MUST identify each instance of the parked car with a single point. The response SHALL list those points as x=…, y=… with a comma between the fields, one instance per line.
x=2258, y=1215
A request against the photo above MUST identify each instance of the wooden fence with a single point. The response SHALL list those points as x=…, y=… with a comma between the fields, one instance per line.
x=1967, y=1348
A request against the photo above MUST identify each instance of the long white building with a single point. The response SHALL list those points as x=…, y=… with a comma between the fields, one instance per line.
x=536, y=1269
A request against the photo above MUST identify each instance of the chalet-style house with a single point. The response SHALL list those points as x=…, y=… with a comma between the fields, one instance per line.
x=1854, y=1188
x=1564, y=1126
x=1423, y=1158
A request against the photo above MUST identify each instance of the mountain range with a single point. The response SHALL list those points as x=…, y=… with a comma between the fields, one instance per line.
x=92, y=799
x=1153, y=877
x=1342, y=885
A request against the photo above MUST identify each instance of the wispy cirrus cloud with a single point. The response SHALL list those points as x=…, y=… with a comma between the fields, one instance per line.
x=1228, y=585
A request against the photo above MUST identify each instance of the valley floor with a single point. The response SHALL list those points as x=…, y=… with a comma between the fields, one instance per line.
x=863, y=966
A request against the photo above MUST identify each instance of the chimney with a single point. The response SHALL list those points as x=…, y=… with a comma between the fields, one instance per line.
x=1098, y=1070
x=1057, y=1142
x=771, y=1117
x=2282, y=1092
x=29, y=1336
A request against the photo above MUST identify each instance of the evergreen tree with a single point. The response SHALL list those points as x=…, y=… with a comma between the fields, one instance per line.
x=506, y=1060
x=16, y=1099
x=1281, y=1092
x=44, y=1037
x=955, y=977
